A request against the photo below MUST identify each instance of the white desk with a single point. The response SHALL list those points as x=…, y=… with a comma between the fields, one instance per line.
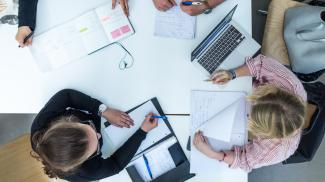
x=162, y=68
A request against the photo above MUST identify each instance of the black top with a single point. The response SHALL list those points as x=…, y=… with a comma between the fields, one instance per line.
x=27, y=13
x=68, y=102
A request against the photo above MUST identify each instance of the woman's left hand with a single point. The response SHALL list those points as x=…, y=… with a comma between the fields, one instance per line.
x=118, y=118
x=124, y=5
x=202, y=144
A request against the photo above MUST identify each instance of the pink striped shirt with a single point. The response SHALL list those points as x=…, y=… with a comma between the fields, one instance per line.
x=263, y=152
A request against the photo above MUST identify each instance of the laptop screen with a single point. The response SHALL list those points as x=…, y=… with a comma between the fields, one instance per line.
x=213, y=33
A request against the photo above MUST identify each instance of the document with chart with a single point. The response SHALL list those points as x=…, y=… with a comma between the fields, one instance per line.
x=80, y=37
x=222, y=117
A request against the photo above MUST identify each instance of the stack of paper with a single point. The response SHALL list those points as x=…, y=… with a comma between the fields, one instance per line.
x=221, y=116
x=117, y=136
x=175, y=23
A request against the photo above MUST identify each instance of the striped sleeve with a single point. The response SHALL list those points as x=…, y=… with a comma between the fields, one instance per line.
x=266, y=70
x=257, y=154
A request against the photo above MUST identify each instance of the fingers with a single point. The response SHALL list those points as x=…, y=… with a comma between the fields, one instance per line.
x=173, y=2
x=119, y=126
x=113, y=4
x=123, y=123
x=125, y=7
x=164, y=5
x=20, y=40
x=220, y=77
x=29, y=42
x=154, y=123
x=127, y=118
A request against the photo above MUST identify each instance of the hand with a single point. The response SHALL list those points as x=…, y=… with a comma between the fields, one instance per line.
x=221, y=77
x=148, y=123
x=164, y=5
x=124, y=5
x=195, y=10
x=23, y=32
x=202, y=144
x=117, y=118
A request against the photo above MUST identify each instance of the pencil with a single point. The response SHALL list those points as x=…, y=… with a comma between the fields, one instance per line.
x=177, y=114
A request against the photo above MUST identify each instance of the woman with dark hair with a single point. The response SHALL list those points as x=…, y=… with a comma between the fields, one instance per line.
x=65, y=136
x=27, y=18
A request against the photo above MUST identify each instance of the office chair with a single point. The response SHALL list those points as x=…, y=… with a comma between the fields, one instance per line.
x=273, y=45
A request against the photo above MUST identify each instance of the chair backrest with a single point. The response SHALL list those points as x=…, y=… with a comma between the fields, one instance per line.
x=16, y=164
x=273, y=41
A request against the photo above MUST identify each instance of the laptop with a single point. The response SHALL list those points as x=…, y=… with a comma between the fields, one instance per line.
x=224, y=48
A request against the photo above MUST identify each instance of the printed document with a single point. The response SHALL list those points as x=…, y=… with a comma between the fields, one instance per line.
x=175, y=23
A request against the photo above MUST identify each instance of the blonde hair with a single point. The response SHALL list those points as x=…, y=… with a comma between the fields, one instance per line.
x=275, y=113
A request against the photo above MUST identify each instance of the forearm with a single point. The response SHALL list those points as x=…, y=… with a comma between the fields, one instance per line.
x=27, y=13
x=214, y=3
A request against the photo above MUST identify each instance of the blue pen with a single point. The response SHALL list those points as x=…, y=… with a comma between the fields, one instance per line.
x=147, y=165
x=158, y=117
x=191, y=3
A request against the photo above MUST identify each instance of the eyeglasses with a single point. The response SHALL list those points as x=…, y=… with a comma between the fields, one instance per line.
x=91, y=124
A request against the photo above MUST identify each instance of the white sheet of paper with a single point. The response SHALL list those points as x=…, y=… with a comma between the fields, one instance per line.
x=219, y=127
x=207, y=104
x=175, y=23
x=117, y=136
x=159, y=159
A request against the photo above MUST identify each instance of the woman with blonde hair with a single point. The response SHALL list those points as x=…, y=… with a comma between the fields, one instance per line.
x=276, y=118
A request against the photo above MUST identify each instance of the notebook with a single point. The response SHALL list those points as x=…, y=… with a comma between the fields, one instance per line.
x=80, y=37
x=175, y=23
x=117, y=136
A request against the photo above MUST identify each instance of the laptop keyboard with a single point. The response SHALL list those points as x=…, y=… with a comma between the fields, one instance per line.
x=220, y=49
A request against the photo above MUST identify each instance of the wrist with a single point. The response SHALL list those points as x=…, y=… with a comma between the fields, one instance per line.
x=143, y=129
x=233, y=74
x=101, y=109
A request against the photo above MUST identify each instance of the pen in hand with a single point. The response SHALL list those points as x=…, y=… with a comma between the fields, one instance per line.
x=27, y=37
x=158, y=117
x=191, y=3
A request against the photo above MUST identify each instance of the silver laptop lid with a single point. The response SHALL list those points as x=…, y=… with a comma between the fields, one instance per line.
x=215, y=32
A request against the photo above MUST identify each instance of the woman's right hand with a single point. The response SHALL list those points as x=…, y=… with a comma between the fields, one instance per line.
x=221, y=77
x=149, y=123
x=164, y=5
x=22, y=33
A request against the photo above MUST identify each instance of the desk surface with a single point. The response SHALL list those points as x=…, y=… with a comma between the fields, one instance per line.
x=162, y=68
